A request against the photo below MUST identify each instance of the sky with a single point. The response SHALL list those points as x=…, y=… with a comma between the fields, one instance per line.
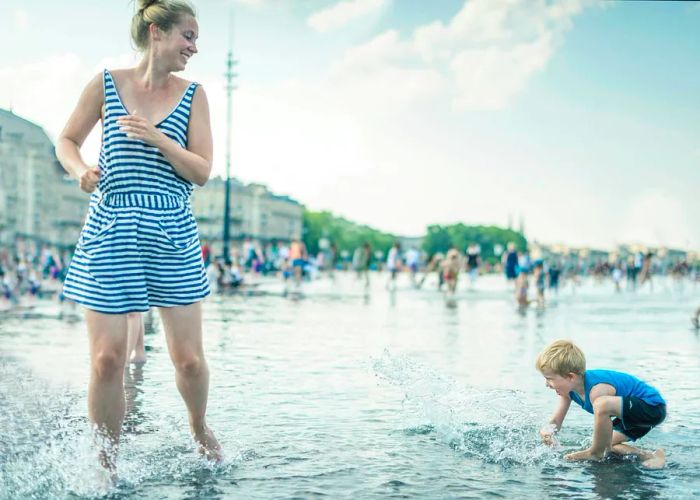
x=578, y=117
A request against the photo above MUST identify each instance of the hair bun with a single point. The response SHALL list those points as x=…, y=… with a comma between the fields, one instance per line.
x=144, y=4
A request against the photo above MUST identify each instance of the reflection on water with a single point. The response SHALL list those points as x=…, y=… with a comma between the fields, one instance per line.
x=343, y=391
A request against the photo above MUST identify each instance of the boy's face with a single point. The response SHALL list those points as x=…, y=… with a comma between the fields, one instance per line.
x=561, y=384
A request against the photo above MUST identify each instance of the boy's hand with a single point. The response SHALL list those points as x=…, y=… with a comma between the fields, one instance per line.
x=547, y=438
x=547, y=435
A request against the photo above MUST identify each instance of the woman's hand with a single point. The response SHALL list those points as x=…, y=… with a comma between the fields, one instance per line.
x=89, y=179
x=137, y=127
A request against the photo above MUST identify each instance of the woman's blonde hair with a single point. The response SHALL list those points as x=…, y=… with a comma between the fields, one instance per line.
x=163, y=13
x=562, y=357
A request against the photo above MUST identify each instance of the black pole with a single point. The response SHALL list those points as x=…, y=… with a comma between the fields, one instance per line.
x=230, y=63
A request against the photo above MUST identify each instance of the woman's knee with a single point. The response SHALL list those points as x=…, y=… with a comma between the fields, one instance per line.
x=108, y=363
x=190, y=365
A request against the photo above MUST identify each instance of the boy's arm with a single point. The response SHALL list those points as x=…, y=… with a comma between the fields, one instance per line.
x=601, y=390
x=560, y=412
x=556, y=420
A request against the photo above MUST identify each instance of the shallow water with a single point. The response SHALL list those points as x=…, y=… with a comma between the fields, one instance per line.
x=344, y=394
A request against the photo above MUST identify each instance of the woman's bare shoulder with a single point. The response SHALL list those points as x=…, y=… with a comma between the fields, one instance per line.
x=181, y=84
x=120, y=75
x=93, y=89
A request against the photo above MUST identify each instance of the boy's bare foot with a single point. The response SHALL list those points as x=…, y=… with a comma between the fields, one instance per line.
x=209, y=447
x=582, y=455
x=657, y=461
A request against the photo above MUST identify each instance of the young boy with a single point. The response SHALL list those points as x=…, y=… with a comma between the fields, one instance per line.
x=624, y=407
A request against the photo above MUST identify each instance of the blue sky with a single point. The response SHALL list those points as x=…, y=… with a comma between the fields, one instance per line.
x=580, y=117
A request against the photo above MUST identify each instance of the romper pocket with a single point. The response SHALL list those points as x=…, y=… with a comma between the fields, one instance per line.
x=180, y=240
x=86, y=243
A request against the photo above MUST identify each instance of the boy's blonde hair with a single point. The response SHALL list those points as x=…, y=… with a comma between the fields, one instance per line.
x=562, y=357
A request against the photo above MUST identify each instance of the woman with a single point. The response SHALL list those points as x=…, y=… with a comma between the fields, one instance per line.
x=139, y=247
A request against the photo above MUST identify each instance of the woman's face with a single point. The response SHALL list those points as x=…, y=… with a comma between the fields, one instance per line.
x=179, y=44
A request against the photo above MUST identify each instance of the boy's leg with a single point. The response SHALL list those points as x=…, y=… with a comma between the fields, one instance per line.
x=655, y=460
x=183, y=333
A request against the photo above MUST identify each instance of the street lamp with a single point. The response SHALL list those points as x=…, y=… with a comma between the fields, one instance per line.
x=230, y=63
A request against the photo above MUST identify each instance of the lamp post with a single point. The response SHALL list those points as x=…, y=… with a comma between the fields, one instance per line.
x=230, y=75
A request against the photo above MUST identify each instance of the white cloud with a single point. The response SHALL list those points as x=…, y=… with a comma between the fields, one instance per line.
x=656, y=218
x=490, y=78
x=378, y=119
x=249, y=3
x=481, y=59
x=21, y=19
x=31, y=90
x=485, y=54
x=342, y=13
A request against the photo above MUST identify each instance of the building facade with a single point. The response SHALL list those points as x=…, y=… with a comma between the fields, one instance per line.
x=38, y=201
x=256, y=213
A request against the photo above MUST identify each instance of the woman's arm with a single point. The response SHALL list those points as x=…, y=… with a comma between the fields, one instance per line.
x=81, y=122
x=193, y=163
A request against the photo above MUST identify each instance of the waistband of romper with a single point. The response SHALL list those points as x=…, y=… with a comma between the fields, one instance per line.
x=143, y=200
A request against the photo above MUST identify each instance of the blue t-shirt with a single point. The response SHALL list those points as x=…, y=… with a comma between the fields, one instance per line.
x=624, y=384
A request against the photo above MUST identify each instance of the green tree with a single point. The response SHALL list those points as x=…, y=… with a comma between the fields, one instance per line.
x=345, y=234
x=348, y=236
x=441, y=238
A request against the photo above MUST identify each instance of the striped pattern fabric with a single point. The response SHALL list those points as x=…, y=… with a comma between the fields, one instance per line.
x=139, y=247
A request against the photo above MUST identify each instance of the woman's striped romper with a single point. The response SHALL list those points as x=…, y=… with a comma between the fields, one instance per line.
x=139, y=247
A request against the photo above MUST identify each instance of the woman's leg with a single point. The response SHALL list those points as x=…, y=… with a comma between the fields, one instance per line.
x=108, y=339
x=183, y=332
x=136, y=352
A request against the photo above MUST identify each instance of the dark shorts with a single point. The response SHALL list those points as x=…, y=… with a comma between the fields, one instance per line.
x=638, y=417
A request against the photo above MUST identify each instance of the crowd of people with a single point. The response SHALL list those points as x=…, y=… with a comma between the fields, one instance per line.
x=29, y=270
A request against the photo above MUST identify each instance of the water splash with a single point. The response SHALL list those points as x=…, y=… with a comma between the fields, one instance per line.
x=48, y=448
x=497, y=425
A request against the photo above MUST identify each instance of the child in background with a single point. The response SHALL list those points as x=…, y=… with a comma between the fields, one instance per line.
x=450, y=271
x=521, y=288
x=539, y=277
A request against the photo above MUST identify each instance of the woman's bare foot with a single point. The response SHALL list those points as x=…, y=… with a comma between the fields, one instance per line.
x=657, y=461
x=138, y=358
x=209, y=447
